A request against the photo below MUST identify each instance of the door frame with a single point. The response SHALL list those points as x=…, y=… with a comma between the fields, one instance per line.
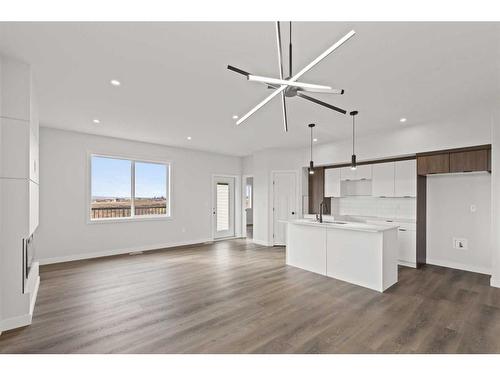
x=271, y=198
x=243, y=212
x=236, y=204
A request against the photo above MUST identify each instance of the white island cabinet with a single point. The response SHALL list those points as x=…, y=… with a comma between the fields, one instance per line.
x=358, y=253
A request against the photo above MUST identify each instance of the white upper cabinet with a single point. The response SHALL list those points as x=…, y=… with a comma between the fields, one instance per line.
x=33, y=207
x=383, y=179
x=15, y=78
x=19, y=125
x=14, y=148
x=406, y=178
x=332, y=182
x=362, y=172
x=347, y=174
x=34, y=138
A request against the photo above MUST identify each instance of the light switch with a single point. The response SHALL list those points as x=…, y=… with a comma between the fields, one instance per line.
x=473, y=208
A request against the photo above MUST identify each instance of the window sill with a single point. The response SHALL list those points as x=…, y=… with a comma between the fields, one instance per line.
x=129, y=219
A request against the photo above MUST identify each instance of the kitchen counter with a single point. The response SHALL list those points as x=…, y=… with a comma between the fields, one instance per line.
x=347, y=225
x=359, y=253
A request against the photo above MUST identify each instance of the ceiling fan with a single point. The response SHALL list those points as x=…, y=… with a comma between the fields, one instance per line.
x=290, y=86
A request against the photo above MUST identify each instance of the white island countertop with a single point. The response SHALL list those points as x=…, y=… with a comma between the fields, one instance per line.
x=348, y=225
x=364, y=254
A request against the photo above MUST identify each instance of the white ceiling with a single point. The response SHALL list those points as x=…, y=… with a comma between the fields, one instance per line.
x=175, y=82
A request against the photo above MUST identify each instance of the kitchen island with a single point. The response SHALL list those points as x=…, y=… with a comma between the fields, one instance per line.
x=359, y=253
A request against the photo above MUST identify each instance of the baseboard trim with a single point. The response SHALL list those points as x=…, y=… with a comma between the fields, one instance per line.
x=259, y=242
x=15, y=322
x=107, y=253
x=407, y=264
x=459, y=266
x=34, y=294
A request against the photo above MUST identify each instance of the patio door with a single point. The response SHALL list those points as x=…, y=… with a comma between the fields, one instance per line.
x=223, y=207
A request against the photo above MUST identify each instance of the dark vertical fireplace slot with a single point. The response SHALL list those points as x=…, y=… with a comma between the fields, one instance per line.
x=28, y=257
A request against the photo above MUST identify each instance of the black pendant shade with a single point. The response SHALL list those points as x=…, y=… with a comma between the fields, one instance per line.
x=311, y=163
x=353, y=156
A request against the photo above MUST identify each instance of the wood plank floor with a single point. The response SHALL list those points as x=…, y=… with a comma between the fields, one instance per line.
x=238, y=297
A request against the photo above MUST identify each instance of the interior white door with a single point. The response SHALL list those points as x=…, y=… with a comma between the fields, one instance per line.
x=284, y=204
x=223, y=209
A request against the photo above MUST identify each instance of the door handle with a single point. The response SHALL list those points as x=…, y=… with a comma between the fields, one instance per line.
x=293, y=212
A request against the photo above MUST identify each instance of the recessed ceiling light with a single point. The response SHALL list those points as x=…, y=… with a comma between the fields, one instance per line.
x=96, y=121
x=189, y=138
x=315, y=140
x=402, y=119
x=115, y=82
x=235, y=117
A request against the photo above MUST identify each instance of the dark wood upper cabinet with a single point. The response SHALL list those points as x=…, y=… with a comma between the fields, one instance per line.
x=469, y=161
x=317, y=191
x=430, y=164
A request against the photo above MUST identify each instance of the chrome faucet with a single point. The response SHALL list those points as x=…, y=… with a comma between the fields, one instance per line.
x=321, y=206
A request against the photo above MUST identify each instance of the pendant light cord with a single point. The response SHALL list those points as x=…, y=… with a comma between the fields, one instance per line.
x=353, y=135
x=311, y=143
x=290, y=50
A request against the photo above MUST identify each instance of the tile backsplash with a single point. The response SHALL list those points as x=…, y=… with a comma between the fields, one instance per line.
x=398, y=208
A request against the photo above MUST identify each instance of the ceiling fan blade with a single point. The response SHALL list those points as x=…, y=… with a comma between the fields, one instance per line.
x=322, y=91
x=283, y=106
x=314, y=100
x=277, y=81
x=318, y=59
x=260, y=105
x=280, y=56
x=312, y=64
x=238, y=70
x=280, y=63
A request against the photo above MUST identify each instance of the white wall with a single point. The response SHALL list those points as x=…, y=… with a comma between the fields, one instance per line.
x=262, y=164
x=449, y=200
x=460, y=131
x=64, y=232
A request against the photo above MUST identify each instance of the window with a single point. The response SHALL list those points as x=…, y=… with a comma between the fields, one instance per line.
x=122, y=188
x=222, y=206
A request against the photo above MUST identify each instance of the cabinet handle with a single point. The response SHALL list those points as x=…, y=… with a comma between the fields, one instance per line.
x=402, y=230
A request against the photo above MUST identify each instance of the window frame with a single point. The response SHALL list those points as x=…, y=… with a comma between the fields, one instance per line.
x=133, y=217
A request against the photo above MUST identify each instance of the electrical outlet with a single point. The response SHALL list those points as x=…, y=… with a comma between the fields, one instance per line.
x=460, y=243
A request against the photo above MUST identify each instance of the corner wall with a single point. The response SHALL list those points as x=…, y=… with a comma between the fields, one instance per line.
x=64, y=233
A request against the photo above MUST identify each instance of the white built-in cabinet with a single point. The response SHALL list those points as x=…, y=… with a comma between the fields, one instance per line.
x=407, y=242
x=395, y=179
x=405, y=181
x=362, y=172
x=332, y=182
x=383, y=179
x=391, y=179
x=19, y=191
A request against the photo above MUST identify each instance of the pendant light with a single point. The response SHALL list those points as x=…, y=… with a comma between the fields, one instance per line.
x=311, y=164
x=353, y=156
